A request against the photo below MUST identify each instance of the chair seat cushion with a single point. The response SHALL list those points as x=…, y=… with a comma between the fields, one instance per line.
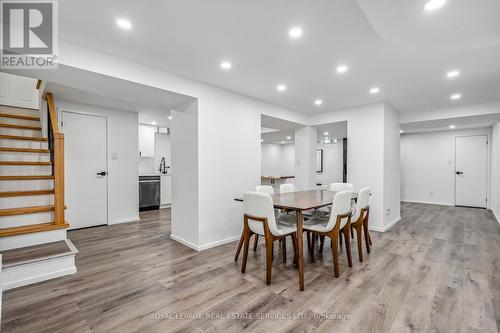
x=316, y=224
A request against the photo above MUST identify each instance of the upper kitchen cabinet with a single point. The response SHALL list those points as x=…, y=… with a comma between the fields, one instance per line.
x=147, y=140
x=18, y=91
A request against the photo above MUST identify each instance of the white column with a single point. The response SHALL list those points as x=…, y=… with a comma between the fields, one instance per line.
x=305, y=158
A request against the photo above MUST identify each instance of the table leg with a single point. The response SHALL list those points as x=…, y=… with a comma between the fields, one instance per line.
x=300, y=253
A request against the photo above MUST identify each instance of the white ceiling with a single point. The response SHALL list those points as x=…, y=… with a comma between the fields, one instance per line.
x=389, y=43
x=443, y=124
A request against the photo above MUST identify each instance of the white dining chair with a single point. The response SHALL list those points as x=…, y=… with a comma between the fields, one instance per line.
x=338, y=187
x=265, y=189
x=338, y=222
x=360, y=220
x=287, y=188
x=259, y=219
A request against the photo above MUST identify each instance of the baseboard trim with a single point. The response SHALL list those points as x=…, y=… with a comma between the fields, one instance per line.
x=384, y=229
x=205, y=246
x=429, y=203
x=495, y=215
x=132, y=219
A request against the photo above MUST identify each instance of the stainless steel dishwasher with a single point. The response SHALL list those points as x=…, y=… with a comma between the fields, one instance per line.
x=149, y=192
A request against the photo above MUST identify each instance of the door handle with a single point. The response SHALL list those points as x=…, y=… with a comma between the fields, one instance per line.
x=102, y=173
x=459, y=173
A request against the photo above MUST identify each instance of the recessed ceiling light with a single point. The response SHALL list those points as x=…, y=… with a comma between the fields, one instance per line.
x=154, y=123
x=282, y=142
x=124, y=24
x=452, y=74
x=455, y=97
x=261, y=140
x=374, y=90
x=341, y=69
x=295, y=32
x=434, y=4
x=169, y=117
x=281, y=87
x=400, y=131
x=318, y=102
x=225, y=65
x=452, y=126
x=288, y=137
x=326, y=133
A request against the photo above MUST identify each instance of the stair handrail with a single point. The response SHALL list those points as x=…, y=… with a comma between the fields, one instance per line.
x=56, y=146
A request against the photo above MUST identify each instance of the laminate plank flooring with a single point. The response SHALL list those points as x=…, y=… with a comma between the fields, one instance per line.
x=437, y=270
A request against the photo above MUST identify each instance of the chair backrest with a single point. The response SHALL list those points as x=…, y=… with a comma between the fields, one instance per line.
x=265, y=189
x=260, y=205
x=339, y=187
x=287, y=188
x=363, y=201
x=341, y=205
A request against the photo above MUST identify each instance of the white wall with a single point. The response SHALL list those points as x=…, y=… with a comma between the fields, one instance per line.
x=123, y=190
x=495, y=171
x=333, y=155
x=428, y=165
x=272, y=163
x=18, y=91
x=392, y=174
x=305, y=158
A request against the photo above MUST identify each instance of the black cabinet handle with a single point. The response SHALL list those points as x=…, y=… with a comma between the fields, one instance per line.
x=102, y=173
x=459, y=173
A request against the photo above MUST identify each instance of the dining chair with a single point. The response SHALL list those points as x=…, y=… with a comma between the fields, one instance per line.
x=259, y=219
x=338, y=222
x=287, y=188
x=339, y=187
x=265, y=189
x=360, y=218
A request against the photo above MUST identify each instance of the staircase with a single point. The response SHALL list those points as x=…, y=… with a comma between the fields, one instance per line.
x=32, y=197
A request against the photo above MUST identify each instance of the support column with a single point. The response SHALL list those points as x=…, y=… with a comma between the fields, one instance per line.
x=305, y=158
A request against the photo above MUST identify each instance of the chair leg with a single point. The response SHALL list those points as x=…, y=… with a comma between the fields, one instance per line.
x=255, y=242
x=308, y=234
x=246, y=244
x=240, y=244
x=335, y=253
x=283, y=249
x=294, y=243
x=313, y=245
x=352, y=232
x=269, y=259
x=340, y=239
x=321, y=243
x=347, y=231
x=367, y=240
x=360, y=247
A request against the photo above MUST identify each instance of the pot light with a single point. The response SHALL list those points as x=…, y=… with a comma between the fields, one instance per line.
x=326, y=133
x=124, y=24
x=452, y=126
x=282, y=142
x=400, y=131
x=288, y=137
x=452, y=74
x=169, y=117
x=225, y=65
x=374, y=90
x=432, y=5
x=261, y=140
x=295, y=32
x=281, y=87
x=318, y=102
x=455, y=97
x=154, y=123
x=341, y=69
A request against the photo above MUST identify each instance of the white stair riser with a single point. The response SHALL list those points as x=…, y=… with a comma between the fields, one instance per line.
x=26, y=185
x=19, y=111
x=19, y=132
x=25, y=219
x=25, y=170
x=23, y=122
x=23, y=144
x=11, y=156
x=26, y=201
x=18, y=241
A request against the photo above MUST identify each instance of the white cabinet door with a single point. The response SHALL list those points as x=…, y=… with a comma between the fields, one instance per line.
x=147, y=141
x=166, y=190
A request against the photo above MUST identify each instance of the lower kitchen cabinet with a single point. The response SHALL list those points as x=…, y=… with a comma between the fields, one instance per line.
x=166, y=190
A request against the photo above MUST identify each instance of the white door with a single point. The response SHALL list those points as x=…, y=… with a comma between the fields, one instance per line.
x=85, y=150
x=471, y=156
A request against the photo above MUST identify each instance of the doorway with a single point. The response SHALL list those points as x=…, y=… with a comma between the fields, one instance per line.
x=471, y=171
x=85, y=158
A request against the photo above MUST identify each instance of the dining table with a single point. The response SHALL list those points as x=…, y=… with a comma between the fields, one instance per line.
x=299, y=202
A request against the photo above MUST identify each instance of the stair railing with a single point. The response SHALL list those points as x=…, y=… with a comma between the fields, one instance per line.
x=56, y=146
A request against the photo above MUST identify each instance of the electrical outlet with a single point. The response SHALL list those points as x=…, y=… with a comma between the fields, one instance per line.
x=388, y=212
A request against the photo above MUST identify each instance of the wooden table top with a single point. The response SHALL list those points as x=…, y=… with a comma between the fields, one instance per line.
x=304, y=200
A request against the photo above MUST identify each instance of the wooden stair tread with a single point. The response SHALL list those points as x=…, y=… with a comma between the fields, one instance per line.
x=27, y=229
x=25, y=150
x=26, y=210
x=35, y=177
x=17, y=137
x=24, y=163
x=18, y=116
x=34, y=253
x=24, y=127
x=25, y=193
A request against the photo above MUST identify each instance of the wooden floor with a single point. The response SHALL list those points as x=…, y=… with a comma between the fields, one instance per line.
x=437, y=270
